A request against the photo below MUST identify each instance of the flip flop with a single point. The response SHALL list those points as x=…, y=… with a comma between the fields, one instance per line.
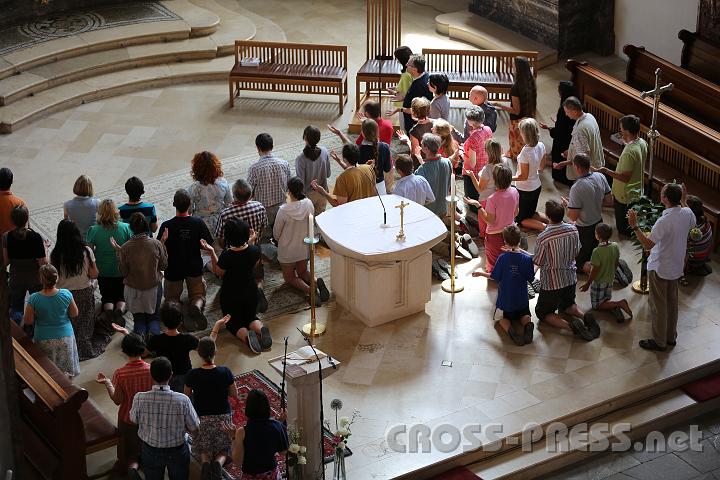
x=460, y=250
x=579, y=329
x=265, y=338
x=618, y=314
x=528, y=334
x=591, y=324
x=253, y=342
x=470, y=245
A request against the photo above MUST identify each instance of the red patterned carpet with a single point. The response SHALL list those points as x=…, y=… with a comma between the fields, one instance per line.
x=256, y=380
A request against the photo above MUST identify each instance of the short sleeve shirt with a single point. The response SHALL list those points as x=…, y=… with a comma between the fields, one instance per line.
x=587, y=195
x=23, y=254
x=670, y=234
x=555, y=251
x=476, y=143
x=502, y=204
x=437, y=173
x=532, y=156
x=604, y=258
x=512, y=271
x=130, y=379
x=51, y=317
x=383, y=163
x=355, y=183
x=146, y=208
x=415, y=188
x=8, y=201
x=183, y=246
x=632, y=160
x=105, y=255
x=210, y=389
x=175, y=348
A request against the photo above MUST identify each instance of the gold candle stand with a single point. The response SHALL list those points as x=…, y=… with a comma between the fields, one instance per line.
x=451, y=285
x=312, y=329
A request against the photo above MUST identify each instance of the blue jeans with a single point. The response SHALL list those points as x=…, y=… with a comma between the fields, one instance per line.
x=155, y=460
x=144, y=322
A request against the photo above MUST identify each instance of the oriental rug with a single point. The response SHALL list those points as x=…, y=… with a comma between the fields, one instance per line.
x=251, y=380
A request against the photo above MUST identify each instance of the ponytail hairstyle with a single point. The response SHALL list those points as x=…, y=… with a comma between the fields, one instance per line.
x=296, y=188
x=311, y=135
x=443, y=129
x=20, y=216
x=370, y=131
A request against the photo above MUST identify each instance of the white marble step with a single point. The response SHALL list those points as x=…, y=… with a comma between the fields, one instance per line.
x=545, y=457
x=75, y=93
x=194, y=22
x=485, y=34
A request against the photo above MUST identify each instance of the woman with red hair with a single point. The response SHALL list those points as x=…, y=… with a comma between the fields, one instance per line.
x=209, y=192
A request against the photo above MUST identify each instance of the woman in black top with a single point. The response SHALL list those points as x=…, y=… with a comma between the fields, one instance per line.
x=209, y=387
x=24, y=251
x=523, y=102
x=561, y=132
x=372, y=148
x=256, y=444
x=239, y=292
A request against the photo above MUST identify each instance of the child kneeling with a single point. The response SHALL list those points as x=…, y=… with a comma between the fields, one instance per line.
x=513, y=270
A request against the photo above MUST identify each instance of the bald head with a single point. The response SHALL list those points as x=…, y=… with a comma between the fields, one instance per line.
x=478, y=95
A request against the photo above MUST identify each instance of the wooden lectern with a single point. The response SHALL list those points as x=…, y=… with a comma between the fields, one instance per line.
x=383, y=37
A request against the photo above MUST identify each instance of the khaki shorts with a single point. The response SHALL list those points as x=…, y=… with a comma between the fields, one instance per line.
x=195, y=286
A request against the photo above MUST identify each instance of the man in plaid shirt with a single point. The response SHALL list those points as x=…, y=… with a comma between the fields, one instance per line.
x=163, y=417
x=268, y=178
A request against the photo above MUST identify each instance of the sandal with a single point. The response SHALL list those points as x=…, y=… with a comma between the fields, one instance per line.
x=684, y=281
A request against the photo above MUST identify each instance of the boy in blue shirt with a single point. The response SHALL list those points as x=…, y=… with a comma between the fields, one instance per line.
x=513, y=270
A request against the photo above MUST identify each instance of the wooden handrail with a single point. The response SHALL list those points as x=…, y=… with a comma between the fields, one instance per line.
x=44, y=386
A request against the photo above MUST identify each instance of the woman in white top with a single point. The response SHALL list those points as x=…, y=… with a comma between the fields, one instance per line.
x=210, y=191
x=290, y=230
x=531, y=161
x=75, y=263
x=485, y=184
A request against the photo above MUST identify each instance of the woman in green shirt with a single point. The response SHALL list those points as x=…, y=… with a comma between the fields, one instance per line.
x=402, y=55
x=110, y=279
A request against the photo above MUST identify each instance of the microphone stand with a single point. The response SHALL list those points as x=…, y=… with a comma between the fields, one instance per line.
x=322, y=410
x=283, y=401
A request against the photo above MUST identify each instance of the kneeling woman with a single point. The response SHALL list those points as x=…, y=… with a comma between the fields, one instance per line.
x=255, y=444
x=209, y=387
x=291, y=227
x=239, y=292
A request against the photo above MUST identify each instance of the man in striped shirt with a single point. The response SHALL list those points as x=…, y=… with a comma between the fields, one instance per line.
x=163, y=417
x=555, y=252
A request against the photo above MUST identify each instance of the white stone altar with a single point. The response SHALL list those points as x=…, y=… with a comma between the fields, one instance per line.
x=374, y=275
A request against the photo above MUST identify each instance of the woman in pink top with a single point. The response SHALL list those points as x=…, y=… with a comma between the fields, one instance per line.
x=500, y=211
x=475, y=156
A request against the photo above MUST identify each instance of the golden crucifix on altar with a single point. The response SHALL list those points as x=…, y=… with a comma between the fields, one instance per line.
x=401, y=236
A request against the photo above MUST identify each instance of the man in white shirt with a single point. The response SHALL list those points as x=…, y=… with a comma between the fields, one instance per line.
x=667, y=243
x=411, y=186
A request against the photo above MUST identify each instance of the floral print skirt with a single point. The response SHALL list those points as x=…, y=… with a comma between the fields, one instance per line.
x=63, y=353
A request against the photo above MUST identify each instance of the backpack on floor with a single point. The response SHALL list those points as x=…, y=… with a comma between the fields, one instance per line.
x=623, y=274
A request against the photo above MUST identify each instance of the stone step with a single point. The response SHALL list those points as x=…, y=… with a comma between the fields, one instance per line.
x=547, y=456
x=75, y=93
x=194, y=22
x=483, y=33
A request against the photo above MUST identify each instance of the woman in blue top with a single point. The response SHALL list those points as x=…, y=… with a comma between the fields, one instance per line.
x=83, y=207
x=50, y=310
x=256, y=444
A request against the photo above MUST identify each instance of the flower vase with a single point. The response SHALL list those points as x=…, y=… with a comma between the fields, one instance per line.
x=339, y=465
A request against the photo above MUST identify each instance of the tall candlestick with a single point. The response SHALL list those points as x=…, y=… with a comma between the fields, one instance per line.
x=452, y=185
x=311, y=226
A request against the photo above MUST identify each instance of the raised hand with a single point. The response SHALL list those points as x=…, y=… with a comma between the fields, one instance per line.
x=114, y=243
x=101, y=378
x=120, y=329
x=223, y=320
x=402, y=136
x=471, y=201
x=543, y=126
x=205, y=246
x=333, y=129
x=632, y=218
x=335, y=156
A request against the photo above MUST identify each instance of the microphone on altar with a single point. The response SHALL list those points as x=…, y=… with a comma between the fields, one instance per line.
x=377, y=192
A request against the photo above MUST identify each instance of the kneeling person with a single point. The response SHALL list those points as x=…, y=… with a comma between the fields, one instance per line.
x=513, y=270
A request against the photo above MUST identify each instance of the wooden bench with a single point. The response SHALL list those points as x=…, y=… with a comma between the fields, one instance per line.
x=691, y=94
x=492, y=69
x=700, y=56
x=292, y=68
x=687, y=151
x=59, y=426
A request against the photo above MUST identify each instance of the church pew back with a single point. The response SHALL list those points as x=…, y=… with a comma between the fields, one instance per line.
x=700, y=56
x=691, y=94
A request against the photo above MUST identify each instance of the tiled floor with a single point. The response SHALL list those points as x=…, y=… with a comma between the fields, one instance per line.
x=393, y=373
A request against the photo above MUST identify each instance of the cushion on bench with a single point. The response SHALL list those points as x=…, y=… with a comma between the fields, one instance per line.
x=474, y=78
x=289, y=71
x=372, y=67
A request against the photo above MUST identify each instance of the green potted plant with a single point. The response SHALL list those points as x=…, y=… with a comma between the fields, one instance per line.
x=648, y=212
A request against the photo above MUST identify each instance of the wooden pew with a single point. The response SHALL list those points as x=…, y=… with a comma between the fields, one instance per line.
x=59, y=426
x=290, y=67
x=687, y=151
x=492, y=69
x=700, y=56
x=692, y=95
